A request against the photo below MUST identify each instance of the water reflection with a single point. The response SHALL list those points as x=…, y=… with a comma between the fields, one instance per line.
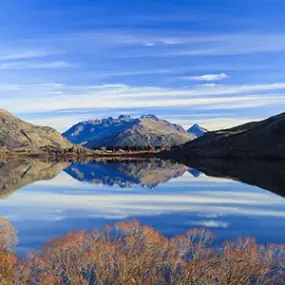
x=16, y=174
x=126, y=173
x=74, y=195
x=269, y=175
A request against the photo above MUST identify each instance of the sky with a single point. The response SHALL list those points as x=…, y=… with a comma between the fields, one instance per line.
x=215, y=63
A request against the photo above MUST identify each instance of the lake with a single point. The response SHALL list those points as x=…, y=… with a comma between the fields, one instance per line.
x=44, y=199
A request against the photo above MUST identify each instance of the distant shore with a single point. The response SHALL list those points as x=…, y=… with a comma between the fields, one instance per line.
x=83, y=155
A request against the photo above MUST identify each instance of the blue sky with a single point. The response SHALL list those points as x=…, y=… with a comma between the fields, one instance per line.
x=217, y=63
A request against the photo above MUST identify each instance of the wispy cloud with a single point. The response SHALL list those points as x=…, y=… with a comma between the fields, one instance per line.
x=167, y=43
x=118, y=95
x=193, y=44
x=173, y=42
x=149, y=44
x=207, y=77
x=131, y=73
x=35, y=65
x=35, y=98
x=5, y=56
x=123, y=205
x=155, y=92
x=210, y=85
x=162, y=41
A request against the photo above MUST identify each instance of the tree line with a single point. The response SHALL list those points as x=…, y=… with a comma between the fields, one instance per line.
x=148, y=148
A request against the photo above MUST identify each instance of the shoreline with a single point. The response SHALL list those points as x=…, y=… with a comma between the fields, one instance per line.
x=71, y=156
x=85, y=154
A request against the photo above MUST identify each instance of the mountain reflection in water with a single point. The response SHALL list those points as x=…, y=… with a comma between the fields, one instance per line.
x=269, y=175
x=57, y=197
x=126, y=173
x=16, y=174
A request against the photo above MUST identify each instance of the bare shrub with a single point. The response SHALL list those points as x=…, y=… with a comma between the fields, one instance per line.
x=8, y=235
x=12, y=271
x=130, y=253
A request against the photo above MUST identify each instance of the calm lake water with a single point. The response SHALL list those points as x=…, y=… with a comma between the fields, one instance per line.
x=47, y=199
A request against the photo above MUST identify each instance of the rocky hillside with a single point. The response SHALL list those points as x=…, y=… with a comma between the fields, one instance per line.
x=264, y=139
x=197, y=131
x=126, y=131
x=16, y=134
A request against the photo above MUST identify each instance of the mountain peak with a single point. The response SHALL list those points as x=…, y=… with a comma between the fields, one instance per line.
x=126, y=131
x=149, y=116
x=196, y=126
x=124, y=117
x=197, y=130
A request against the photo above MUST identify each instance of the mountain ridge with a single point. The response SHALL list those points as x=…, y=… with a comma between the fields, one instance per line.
x=126, y=131
x=262, y=139
x=16, y=134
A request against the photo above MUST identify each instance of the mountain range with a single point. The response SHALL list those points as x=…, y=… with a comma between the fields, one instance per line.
x=125, y=131
x=264, y=139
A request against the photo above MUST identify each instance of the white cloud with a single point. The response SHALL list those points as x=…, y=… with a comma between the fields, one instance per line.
x=207, y=77
x=211, y=224
x=146, y=91
x=39, y=98
x=100, y=101
x=149, y=44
